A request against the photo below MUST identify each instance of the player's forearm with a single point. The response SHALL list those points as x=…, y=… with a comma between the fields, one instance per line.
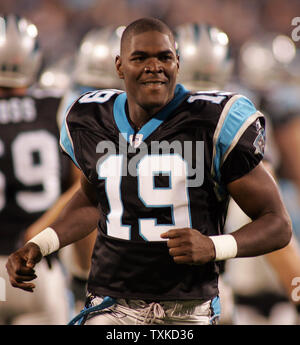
x=286, y=267
x=257, y=194
x=78, y=218
x=263, y=235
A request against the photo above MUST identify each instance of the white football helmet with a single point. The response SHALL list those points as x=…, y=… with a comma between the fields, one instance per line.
x=205, y=61
x=263, y=61
x=58, y=75
x=95, y=63
x=292, y=69
x=20, y=56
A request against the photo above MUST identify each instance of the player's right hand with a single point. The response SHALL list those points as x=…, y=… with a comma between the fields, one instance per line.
x=20, y=266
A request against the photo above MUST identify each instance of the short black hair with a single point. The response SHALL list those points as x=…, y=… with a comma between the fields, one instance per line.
x=143, y=25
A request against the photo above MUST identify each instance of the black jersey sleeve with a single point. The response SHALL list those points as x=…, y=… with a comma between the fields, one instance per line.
x=79, y=119
x=239, y=140
x=83, y=127
x=246, y=154
x=66, y=135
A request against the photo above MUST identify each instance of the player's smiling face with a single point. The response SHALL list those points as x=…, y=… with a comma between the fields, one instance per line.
x=149, y=66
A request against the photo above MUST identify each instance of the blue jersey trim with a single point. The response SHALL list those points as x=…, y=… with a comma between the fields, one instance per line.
x=216, y=308
x=216, y=305
x=120, y=116
x=66, y=143
x=237, y=115
x=124, y=125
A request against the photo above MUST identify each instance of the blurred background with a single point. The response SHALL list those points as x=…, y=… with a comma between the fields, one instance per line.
x=63, y=23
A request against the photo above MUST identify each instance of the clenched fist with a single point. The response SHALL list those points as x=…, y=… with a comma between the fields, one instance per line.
x=20, y=266
x=189, y=246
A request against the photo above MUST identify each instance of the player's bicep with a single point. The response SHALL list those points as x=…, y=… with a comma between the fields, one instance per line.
x=256, y=193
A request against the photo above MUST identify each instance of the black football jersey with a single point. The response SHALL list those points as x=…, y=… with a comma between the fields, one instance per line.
x=33, y=171
x=172, y=173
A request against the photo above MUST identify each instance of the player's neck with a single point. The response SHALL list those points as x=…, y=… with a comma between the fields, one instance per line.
x=138, y=115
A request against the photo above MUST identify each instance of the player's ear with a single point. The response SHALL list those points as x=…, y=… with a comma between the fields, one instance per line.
x=178, y=62
x=119, y=68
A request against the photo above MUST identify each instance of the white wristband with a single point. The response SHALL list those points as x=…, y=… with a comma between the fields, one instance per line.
x=47, y=240
x=225, y=247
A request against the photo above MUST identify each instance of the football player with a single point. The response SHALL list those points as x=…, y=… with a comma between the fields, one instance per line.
x=33, y=171
x=158, y=165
